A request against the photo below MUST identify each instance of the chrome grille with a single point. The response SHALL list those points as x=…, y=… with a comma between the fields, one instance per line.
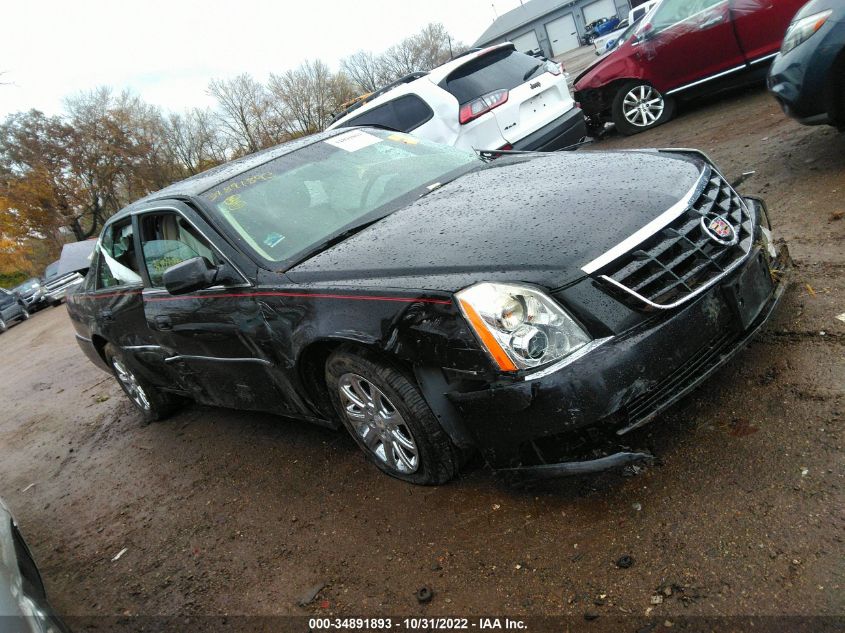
x=681, y=260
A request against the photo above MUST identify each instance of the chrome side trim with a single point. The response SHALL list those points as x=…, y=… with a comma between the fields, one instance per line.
x=705, y=80
x=580, y=353
x=763, y=59
x=178, y=357
x=657, y=224
x=142, y=347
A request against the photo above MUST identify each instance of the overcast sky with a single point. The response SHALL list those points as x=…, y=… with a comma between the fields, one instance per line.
x=167, y=51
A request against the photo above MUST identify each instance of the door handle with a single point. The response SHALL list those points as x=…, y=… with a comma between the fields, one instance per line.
x=106, y=314
x=163, y=322
x=716, y=19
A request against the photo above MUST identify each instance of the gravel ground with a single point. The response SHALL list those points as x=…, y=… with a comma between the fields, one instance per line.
x=224, y=512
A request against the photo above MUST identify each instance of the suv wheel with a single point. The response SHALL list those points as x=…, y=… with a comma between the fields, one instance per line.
x=3, y=326
x=24, y=314
x=153, y=403
x=638, y=106
x=390, y=421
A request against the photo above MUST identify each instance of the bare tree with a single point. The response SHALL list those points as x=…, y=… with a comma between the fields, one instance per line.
x=365, y=70
x=305, y=98
x=425, y=50
x=244, y=110
x=195, y=141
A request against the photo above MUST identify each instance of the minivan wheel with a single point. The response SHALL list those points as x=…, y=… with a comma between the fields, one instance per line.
x=639, y=106
x=388, y=418
x=153, y=403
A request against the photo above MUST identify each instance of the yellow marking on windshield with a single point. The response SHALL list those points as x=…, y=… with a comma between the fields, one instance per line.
x=243, y=183
x=234, y=203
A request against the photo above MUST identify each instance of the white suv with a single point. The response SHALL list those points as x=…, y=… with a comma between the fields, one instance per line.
x=492, y=99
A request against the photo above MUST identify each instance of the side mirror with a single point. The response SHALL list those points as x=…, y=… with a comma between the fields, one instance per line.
x=646, y=32
x=188, y=276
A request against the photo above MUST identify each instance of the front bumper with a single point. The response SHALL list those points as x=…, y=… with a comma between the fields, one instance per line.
x=564, y=132
x=562, y=422
x=36, y=301
x=57, y=294
x=804, y=81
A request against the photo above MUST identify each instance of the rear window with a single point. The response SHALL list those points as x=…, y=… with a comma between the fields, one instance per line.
x=406, y=113
x=501, y=69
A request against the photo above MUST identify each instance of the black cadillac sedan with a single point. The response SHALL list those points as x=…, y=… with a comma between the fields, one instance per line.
x=433, y=302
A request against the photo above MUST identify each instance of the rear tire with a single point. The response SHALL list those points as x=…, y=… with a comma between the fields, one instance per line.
x=389, y=419
x=153, y=403
x=638, y=106
x=3, y=326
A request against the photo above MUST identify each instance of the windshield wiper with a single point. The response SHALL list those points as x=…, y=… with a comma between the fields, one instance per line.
x=531, y=72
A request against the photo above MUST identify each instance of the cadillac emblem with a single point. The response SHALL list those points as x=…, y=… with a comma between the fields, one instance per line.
x=719, y=230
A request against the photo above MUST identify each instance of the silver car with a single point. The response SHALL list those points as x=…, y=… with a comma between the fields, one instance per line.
x=23, y=601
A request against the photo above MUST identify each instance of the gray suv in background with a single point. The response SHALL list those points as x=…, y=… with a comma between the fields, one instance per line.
x=12, y=309
x=57, y=286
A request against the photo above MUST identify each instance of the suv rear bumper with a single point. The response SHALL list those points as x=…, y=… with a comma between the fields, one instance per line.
x=561, y=133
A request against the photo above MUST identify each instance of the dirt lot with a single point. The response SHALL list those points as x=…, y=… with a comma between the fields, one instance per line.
x=224, y=512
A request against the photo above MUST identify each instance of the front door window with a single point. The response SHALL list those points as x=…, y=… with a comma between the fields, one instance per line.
x=168, y=239
x=118, y=264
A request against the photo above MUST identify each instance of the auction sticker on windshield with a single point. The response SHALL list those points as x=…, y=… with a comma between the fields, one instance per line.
x=353, y=141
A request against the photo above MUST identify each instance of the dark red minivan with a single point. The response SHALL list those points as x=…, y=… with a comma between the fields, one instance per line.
x=683, y=47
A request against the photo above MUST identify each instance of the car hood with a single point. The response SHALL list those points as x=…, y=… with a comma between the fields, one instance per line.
x=536, y=219
x=614, y=61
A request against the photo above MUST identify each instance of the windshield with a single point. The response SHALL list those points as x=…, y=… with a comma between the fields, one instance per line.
x=629, y=32
x=51, y=270
x=289, y=206
x=28, y=285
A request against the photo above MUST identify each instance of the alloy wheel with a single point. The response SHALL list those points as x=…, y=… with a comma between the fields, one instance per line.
x=131, y=385
x=3, y=326
x=378, y=423
x=643, y=106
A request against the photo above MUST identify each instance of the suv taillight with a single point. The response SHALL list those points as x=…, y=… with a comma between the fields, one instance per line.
x=482, y=105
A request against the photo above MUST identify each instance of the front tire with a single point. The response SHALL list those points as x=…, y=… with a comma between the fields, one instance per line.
x=3, y=326
x=638, y=106
x=153, y=403
x=386, y=415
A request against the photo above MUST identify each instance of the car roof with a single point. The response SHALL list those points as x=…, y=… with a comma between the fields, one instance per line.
x=197, y=184
x=435, y=76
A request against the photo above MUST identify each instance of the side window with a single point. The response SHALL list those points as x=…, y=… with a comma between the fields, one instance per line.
x=118, y=263
x=406, y=113
x=168, y=239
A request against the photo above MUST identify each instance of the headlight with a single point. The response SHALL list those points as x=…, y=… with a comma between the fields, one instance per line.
x=520, y=327
x=802, y=30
